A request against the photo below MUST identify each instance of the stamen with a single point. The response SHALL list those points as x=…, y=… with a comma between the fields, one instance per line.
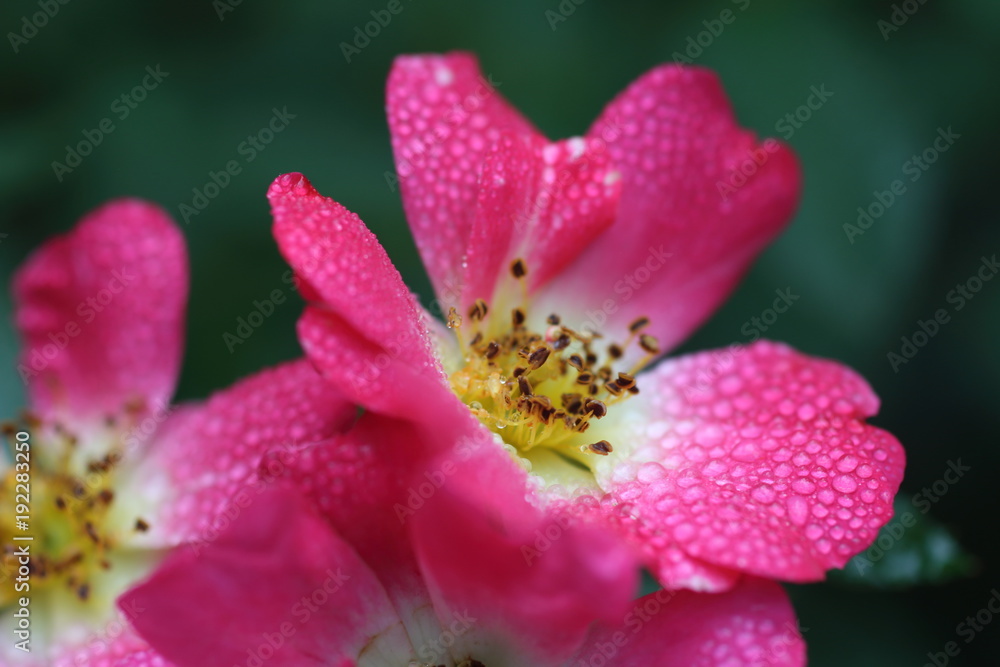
x=538, y=358
x=454, y=319
x=478, y=311
x=638, y=325
x=595, y=407
x=602, y=447
x=518, y=269
x=511, y=378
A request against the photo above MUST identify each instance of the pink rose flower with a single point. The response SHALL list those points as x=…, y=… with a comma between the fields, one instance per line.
x=113, y=475
x=564, y=271
x=338, y=580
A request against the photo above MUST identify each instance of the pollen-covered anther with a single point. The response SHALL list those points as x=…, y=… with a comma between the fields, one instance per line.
x=602, y=447
x=638, y=325
x=538, y=357
x=649, y=344
x=478, y=311
x=594, y=407
x=539, y=387
x=454, y=319
x=72, y=507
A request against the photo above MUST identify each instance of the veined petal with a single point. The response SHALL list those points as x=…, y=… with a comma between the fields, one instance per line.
x=751, y=625
x=684, y=232
x=347, y=269
x=445, y=116
x=278, y=584
x=101, y=311
x=207, y=454
x=757, y=459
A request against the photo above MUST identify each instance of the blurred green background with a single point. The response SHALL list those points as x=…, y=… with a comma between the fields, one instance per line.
x=892, y=91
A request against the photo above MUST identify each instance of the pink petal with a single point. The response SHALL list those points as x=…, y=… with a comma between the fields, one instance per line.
x=345, y=267
x=360, y=481
x=445, y=116
x=101, y=311
x=533, y=583
x=111, y=643
x=504, y=203
x=751, y=625
x=207, y=454
x=377, y=378
x=576, y=200
x=757, y=459
x=678, y=246
x=279, y=585
x=146, y=658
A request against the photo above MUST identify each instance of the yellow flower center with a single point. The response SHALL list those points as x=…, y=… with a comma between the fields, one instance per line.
x=542, y=388
x=56, y=531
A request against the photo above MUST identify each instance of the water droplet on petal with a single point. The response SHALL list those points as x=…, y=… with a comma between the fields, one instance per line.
x=845, y=484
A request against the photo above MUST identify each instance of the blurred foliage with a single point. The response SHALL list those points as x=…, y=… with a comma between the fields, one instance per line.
x=890, y=97
x=911, y=549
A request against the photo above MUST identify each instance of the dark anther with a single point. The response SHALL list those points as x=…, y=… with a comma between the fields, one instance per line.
x=141, y=525
x=517, y=317
x=576, y=361
x=553, y=319
x=492, y=350
x=524, y=386
x=625, y=380
x=562, y=342
x=649, y=344
x=614, y=351
x=60, y=502
x=634, y=389
x=640, y=323
x=613, y=388
x=478, y=311
x=477, y=339
x=591, y=358
x=83, y=592
x=92, y=532
x=584, y=378
x=537, y=358
x=595, y=407
x=602, y=447
x=518, y=269
x=519, y=371
x=573, y=403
